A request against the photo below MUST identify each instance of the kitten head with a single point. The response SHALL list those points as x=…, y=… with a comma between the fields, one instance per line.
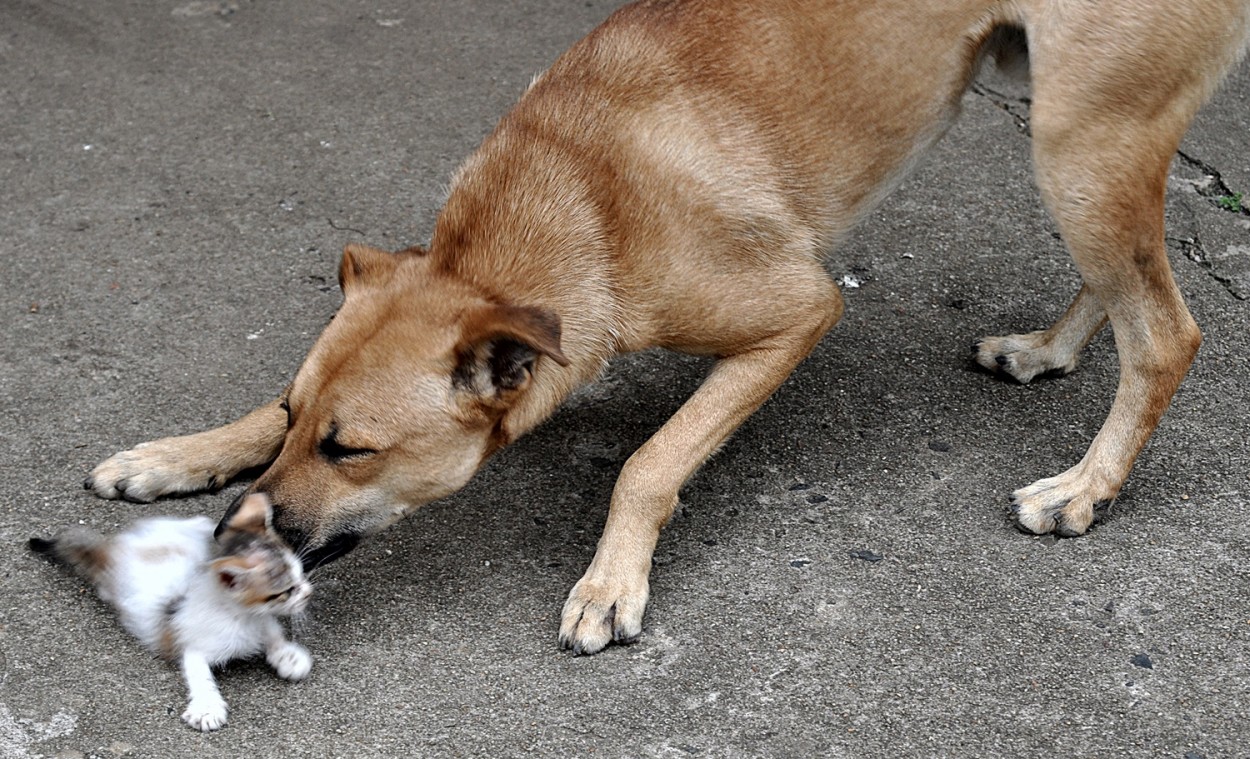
x=254, y=567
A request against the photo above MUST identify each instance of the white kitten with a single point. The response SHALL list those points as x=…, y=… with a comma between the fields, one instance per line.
x=195, y=600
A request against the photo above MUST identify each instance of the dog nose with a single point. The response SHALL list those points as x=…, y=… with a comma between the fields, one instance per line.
x=292, y=535
x=296, y=539
x=329, y=551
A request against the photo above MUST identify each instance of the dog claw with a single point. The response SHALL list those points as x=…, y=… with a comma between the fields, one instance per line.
x=1063, y=531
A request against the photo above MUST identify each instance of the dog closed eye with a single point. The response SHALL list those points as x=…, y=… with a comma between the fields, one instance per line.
x=332, y=449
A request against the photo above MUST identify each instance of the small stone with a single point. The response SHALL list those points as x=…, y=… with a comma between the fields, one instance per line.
x=800, y=563
x=817, y=498
x=800, y=486
x=709, y=542
x=939, y=445
x=1143, y=660
x=866, y=555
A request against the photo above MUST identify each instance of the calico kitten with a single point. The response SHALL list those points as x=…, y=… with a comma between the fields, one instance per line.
x=195, y=600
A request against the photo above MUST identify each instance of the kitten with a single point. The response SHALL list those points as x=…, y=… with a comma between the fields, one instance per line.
x=195, y=600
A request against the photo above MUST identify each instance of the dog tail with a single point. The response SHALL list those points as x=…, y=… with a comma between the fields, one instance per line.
x=1009, y=46
x=85, y=551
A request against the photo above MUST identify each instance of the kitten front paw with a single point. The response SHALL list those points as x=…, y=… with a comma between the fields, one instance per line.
x=291, y=661
x=205, y=714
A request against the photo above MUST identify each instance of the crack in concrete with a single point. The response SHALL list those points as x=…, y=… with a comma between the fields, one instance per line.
x=345, y=228
x=1214, y=188
x=1195, y=250
x=1015, y=107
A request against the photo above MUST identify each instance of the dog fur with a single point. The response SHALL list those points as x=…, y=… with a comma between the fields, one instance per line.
x=675, y=180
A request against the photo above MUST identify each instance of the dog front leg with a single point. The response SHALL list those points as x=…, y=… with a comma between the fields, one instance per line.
x=189, y=463
x=607, y=604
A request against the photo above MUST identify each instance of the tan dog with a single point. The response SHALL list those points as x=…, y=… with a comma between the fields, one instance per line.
x=674, y=180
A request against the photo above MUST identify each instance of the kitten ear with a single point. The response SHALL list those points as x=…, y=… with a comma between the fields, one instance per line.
x=228, y=572
x=253, y=515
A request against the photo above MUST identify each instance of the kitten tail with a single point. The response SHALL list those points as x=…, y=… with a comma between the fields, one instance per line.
x=84, y=551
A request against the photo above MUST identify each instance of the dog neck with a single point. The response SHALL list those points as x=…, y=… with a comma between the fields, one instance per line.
x=508, y=230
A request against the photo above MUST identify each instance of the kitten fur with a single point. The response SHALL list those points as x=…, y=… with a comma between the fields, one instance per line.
x=194, y=600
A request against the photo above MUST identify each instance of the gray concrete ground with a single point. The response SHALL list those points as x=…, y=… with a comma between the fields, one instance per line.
x=176, y=181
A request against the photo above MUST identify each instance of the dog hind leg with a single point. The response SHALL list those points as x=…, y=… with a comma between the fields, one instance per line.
x=1112, y=98
x=1052, y=351
x=1115, y=235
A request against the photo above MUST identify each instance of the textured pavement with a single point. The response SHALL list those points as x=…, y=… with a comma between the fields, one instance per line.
x=176, y=182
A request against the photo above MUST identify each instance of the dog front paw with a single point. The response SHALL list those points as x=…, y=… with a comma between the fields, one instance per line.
x=1064, y=505
x=149, y=471
x=1023, y=357
x=600, y=611
x=206, y=714
x=291, y=661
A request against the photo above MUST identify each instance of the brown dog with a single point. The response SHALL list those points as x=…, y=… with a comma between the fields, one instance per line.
x=674, y=180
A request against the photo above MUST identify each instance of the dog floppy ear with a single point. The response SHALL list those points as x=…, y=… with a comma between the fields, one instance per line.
x=500, y=344
x=362, y=264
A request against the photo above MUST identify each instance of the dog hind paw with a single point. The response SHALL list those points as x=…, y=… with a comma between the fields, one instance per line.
x=1022, y=357
x=597, y=614
x=1053, y=506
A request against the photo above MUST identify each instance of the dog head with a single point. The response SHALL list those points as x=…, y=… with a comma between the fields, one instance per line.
x=402, y=397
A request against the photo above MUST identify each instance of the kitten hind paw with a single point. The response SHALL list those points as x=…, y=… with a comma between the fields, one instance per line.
x=291, y=661
x=205, y=715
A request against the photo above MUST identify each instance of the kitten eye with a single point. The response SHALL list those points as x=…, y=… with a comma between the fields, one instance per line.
x=332, y=449
x=281, y=596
